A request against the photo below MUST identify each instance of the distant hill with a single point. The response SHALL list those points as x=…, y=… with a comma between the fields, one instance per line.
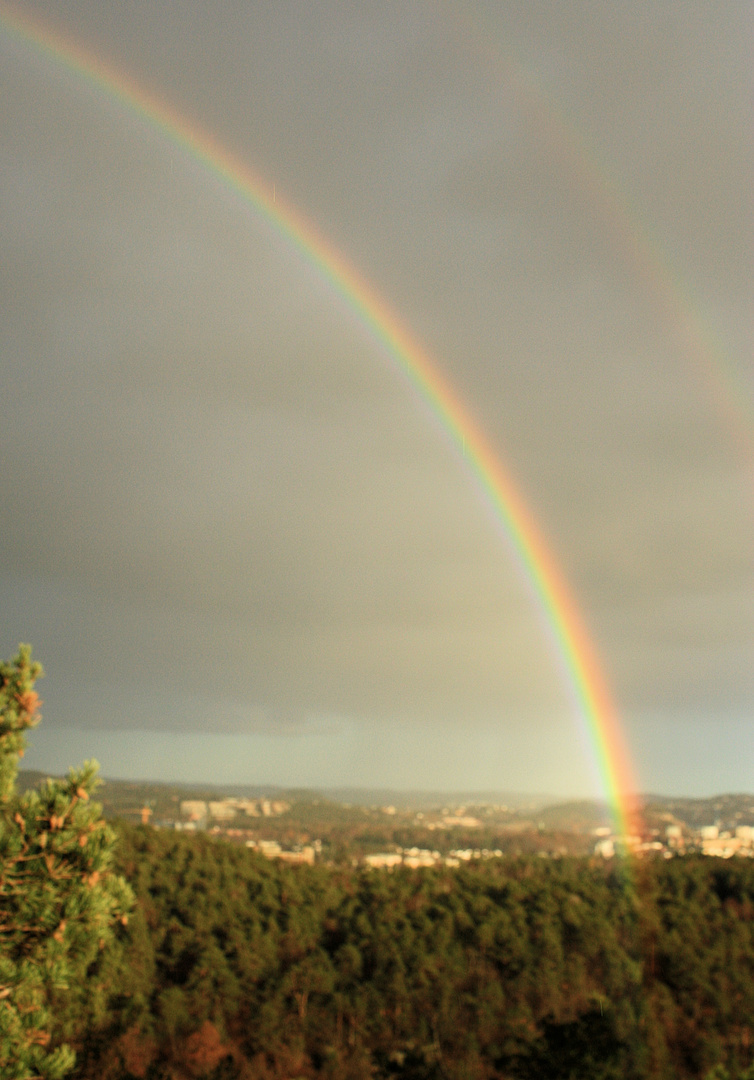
x=121, y=797
x=125, y=798
x=580, y=816
x=725, y=810
x=434, y=800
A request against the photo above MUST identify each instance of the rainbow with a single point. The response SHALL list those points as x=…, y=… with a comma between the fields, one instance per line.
x=574, y=650
x=669, y=295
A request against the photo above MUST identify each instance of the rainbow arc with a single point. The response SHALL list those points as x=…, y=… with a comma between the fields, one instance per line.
x=575, y=652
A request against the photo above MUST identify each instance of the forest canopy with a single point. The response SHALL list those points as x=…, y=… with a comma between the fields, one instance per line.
x=233, y=966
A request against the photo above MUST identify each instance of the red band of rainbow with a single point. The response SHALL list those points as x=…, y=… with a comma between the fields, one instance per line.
x=575, y=652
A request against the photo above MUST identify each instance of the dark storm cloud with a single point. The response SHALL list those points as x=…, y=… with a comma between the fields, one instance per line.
x=216, y=480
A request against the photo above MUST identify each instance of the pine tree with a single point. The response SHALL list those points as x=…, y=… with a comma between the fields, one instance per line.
x=59, y=899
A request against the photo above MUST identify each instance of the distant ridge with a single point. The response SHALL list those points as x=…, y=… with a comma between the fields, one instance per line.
x=417, y=799
x=128, y=796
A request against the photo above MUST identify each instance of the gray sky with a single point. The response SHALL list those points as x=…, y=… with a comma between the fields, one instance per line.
x=240, y=544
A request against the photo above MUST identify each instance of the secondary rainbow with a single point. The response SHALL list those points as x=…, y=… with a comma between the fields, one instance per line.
x=578, y=160
x=574, y=649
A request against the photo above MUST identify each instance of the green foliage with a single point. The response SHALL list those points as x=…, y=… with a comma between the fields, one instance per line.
x=236, y=968
x=59, y=898
x=304, y=971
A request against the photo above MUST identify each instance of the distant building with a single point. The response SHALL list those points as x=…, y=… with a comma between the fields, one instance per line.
x=416, y=858
x=709, y=832
x=675, y=839
x=271, y=849
x=223, y=811
x=194, y=809
x=384, y=859
x=305, y=855
x=466, y=854
x=268, y=848
x=724, y=847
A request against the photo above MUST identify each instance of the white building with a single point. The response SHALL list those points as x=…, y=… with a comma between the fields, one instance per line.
x=269, y=848
x=223, y=811
x=384, y=859
x=416, y=857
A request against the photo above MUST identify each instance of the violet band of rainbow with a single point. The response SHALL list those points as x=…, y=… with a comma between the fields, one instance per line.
x=576, y=654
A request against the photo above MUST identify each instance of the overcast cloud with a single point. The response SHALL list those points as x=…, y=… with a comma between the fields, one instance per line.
x=240, y=544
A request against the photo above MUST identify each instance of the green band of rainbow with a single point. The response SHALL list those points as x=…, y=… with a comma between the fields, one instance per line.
x=575, y=651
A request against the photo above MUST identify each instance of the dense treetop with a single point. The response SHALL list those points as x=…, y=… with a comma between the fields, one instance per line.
x=232, y=966
x=59, y=898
